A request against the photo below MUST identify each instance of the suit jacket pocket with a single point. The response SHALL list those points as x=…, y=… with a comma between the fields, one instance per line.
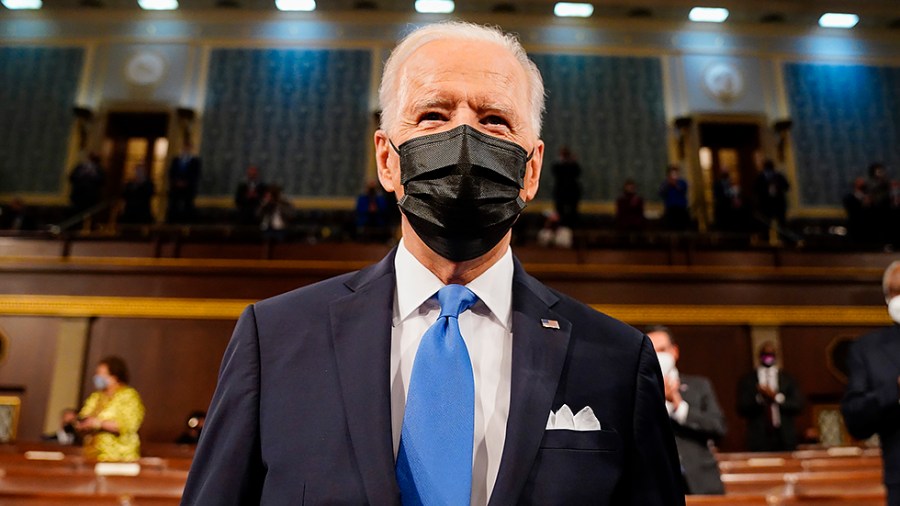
x=575, y=468
x=593, y=440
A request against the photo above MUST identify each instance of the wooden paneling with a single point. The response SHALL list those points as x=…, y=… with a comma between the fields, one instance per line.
x=29, y=363
x=173, y=365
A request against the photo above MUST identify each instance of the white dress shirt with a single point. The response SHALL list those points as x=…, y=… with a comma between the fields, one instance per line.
x=768, y=377
x=487, y=330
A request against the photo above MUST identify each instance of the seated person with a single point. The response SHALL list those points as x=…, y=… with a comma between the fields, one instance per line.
x=191, y=434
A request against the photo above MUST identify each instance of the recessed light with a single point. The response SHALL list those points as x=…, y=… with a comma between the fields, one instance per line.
x=296, y=5
x=158, y=5
x=838, y=20
x=573, y=10
x=22, y=4
x=708, y=14
x=435, y=6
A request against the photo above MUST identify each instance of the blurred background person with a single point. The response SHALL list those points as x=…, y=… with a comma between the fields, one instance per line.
x=674, y=194
x=629, y=208
x=248, y=196
x=566, y=187
x=86, y=183
x=697, y=419
x=184, y=181
x=275, y=213
x=111, y=416
x=770, y=400
x=137, y=196
x=770, y=190
x=871, y=404
x=372, y=213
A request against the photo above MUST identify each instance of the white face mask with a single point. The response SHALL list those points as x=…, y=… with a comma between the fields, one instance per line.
x=667, y=364
x=894, y=308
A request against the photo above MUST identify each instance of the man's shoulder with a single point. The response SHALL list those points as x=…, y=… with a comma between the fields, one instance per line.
x=876, y=338
x=591, y=323
x=302, y=299
x=316, y=297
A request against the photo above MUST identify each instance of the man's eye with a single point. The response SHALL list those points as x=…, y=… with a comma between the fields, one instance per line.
x=431, y=116
x=494, y=120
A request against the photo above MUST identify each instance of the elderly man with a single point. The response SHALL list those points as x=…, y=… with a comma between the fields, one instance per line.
x=443, y=374
x=871, y=404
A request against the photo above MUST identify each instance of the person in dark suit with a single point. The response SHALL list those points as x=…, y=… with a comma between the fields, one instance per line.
x=318, y=395
x=184, y=180
x=871, y=404
x=696, y=417
x=769, y=399
x=248, y=196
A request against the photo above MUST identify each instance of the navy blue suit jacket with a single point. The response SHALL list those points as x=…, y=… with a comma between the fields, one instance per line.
x=872, y=402
x=302, y=414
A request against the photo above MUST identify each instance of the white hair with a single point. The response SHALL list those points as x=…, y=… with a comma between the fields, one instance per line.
x=886, y=280
x=390, y=91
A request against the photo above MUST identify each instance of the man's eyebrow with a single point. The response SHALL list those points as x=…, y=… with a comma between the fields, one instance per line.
x=432, y=102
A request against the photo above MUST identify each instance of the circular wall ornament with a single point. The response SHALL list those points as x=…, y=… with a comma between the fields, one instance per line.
x=723, y=81
x=145, y=68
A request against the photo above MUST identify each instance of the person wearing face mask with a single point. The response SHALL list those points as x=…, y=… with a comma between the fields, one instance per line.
x=769, y=399
x=871, y=404
x=111, y=416
x=444, y=374
x=696, y=417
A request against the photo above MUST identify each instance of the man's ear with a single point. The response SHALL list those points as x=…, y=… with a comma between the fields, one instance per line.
x=533, y=171
x=382, y=154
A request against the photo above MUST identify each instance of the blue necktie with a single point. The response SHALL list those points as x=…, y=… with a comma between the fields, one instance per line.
x=434, y=462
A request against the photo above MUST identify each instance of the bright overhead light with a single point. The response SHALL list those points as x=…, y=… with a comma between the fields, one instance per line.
x=296, y=5
x=708, y=14
x=435, y=6
x=22, y=4
x=158, y=5
x=573, y=10
x=838, y=20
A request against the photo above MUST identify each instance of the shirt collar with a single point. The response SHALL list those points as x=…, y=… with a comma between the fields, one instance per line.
x=416, y=284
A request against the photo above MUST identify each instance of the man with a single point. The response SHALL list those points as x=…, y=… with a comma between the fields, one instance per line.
x=248, y=196
x=696, y=417
x=325, y=393
x=770, y=190
x=184, y=180
x=769, y=399
x=566, y=187
x=674, y=194
x=871, y=404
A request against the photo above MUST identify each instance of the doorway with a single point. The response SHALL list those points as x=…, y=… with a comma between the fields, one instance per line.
x=730, y=156
x=134, y=139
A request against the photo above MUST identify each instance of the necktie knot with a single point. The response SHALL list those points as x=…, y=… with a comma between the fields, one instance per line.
x=454, y=299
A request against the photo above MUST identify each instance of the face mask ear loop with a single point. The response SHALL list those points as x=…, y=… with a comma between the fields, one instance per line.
x=395, y=147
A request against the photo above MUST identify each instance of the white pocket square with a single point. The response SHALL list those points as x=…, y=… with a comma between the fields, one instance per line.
x=564, y=420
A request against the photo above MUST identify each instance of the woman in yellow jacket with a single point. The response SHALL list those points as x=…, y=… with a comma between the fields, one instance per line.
x=112, y=415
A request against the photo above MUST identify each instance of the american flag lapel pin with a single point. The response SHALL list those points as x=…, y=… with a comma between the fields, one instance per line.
x=549, y=324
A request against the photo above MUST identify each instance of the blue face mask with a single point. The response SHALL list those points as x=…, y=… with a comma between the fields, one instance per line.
x=100, y=382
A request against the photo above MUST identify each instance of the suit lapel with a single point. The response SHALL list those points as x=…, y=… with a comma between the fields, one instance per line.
x=361, y=324
x=537, y=362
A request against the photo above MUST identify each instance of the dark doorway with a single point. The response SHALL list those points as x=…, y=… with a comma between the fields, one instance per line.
x=729, y=157
x=133, y=139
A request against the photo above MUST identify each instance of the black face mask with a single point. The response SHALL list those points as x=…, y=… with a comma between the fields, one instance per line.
x=461, y=190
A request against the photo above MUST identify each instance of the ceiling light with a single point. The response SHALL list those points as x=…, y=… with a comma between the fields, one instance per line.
x=708, y=14
x=296, y=5
x=435, y=6
x=158, y=5
x=22, y=4
x=573, y=10
x=838, y=20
